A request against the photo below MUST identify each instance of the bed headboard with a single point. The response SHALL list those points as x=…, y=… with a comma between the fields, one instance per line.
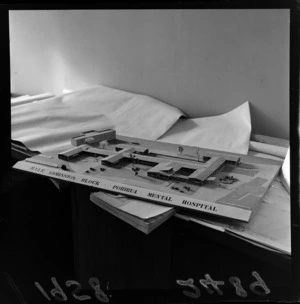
x=205, y=62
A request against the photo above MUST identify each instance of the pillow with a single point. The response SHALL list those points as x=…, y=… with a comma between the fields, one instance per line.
x=228, y=132
x=48, y=125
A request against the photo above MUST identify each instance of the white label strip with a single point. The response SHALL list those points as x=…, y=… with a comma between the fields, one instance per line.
x=42, y=162
x=143, y=193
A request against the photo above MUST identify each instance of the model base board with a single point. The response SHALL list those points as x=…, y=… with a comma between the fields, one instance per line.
x=219, y=183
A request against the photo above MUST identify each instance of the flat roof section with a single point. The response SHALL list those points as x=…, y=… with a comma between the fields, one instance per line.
x=214, y=164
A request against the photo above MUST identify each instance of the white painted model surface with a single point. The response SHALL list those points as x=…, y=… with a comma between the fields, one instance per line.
x=130, y=173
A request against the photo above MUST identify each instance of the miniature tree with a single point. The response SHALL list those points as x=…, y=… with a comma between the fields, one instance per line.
x=102, y=144
x=228, y=179
x=132, y=157
x=135, y=170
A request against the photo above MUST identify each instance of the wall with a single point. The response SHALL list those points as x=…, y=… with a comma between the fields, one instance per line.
x=205, y=62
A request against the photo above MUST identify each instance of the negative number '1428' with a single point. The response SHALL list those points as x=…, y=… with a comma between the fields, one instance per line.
x=59, y=295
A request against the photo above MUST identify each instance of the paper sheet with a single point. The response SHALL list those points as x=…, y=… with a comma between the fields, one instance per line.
x=137, y=208
x=27, y=99
x=228, y=132
x=48, y=125
x=285, y=172
x=285, y=169
x=268, y=149
x=269, y=226
x=271, y=223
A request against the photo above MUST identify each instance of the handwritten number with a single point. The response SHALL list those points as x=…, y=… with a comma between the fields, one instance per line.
x=259, y=283
x=209, y=281
x=99, y=293
x=236, y=282
x=258, y=287
x=76, y=290
x=57, y=292
x=190, y=283
x=42, y=290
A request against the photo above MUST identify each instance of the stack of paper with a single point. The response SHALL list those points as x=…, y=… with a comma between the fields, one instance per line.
x=269, y=227
x=143, y=216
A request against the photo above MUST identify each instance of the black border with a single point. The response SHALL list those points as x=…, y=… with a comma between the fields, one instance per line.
x=293, y=5
x=294, y=140
x=168, y=4
x=5, y=88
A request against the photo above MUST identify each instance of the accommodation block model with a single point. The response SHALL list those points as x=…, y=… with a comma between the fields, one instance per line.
x=161, y=168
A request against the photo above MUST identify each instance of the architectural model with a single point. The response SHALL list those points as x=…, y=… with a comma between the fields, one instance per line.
x=218, y=183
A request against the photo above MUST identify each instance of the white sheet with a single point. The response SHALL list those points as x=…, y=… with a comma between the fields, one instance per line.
x=285, y=172
x=138, y=208
x=48, y=125
x=227, y=132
